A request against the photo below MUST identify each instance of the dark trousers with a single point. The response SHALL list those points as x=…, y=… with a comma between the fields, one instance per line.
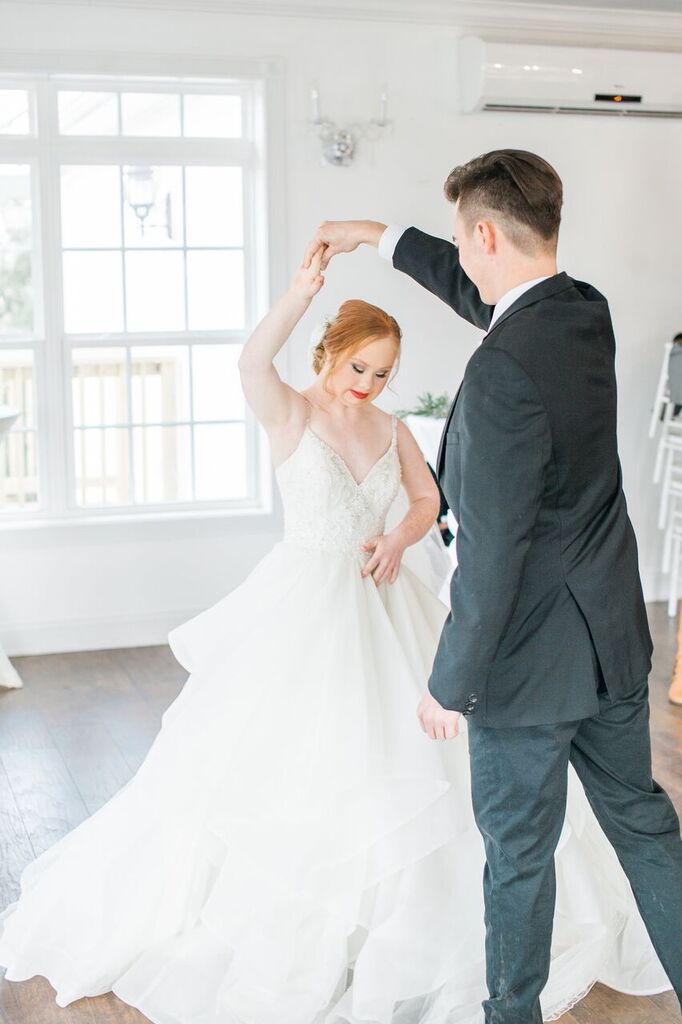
x=519, y=786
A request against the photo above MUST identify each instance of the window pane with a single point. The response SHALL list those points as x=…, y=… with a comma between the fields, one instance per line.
x=91, y=206
x=152, y=208
x=149, y=113
x=14, y=112
x=18, y=460
x=214, y=205
x=163, y=460
x=93, y=292
x=17, y=385
x=160, y=384
x=155, y=299
x=100, y=394
x=216, y=385
x=16, y=250
x=220, y=460
x=87, y=113
x=215, y=289
x=213, y=116
x=101, y=464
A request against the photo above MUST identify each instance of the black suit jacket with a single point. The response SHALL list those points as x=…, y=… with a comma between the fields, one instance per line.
x=547, y=591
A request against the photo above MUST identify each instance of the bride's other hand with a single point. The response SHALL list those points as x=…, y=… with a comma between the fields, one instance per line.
x=387, y=550
x=335, y=236
x=308, y=280
x=436, y=721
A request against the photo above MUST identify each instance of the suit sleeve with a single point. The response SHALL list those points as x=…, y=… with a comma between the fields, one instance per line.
x=434, y=263
x=504, y=449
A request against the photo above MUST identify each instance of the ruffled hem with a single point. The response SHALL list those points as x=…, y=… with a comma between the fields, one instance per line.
x=291, y=820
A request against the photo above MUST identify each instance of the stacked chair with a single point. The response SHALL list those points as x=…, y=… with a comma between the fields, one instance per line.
x=666, y=418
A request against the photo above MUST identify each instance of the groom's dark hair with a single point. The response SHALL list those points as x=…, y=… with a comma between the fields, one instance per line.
x=520, y=187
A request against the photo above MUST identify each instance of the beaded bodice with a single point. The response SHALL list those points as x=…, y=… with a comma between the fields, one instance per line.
x=324, y=506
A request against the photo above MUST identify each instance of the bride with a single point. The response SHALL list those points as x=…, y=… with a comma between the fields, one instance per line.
x=295, y=849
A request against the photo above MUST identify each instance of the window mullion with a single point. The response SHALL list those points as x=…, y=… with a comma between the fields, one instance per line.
x=54, y=381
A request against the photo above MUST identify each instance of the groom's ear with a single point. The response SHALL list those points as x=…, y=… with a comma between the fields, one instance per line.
x=485, y=233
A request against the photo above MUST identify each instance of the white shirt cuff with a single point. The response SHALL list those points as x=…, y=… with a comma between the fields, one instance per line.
x=389, y=240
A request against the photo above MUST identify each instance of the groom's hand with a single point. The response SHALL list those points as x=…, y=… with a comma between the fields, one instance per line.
x=437, y=722
x=342, y=236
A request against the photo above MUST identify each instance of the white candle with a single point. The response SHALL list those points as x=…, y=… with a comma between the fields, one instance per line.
x=316, y=105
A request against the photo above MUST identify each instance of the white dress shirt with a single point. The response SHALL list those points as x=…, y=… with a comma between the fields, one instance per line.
x=389, y=240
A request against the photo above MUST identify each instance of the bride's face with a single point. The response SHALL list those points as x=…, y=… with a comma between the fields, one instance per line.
x=363, y=376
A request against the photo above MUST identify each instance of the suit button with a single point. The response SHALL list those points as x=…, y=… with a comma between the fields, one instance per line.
x=472, y=698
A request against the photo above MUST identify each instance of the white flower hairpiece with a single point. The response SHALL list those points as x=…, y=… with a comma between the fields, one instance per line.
x=318, y=333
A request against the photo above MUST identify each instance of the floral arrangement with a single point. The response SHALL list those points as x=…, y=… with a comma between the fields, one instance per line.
x=429, y=405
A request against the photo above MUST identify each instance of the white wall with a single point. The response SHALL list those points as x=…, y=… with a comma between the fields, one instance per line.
x=104, y=585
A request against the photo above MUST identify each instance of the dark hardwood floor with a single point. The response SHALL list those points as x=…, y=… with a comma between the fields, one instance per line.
x=83, y=723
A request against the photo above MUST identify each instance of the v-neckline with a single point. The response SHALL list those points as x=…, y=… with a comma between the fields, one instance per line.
x=358, y=483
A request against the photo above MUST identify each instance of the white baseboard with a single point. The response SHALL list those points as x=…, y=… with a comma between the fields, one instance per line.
x=94, y=634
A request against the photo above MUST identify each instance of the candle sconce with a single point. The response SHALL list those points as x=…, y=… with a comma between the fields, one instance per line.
x=339, y=142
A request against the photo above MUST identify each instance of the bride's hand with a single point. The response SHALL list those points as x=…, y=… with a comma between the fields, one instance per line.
x=308, y=280
x=385, y=561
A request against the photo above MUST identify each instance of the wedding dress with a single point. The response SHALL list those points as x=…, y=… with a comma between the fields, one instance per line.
x=294, y=849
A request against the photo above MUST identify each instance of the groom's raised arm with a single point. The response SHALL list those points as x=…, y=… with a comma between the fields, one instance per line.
x=434, y=263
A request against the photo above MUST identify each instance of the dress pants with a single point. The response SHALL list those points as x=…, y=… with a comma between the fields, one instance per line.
x=519, y=788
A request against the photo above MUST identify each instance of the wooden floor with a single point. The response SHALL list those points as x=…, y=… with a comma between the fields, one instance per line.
x=81, y=727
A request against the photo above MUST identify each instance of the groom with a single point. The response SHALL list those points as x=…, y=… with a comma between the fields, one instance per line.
x=546, y=649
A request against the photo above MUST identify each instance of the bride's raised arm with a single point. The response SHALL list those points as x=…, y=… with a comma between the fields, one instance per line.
x=271, y=399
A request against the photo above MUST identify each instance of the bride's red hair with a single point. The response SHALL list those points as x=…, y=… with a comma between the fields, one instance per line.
x=356, y=323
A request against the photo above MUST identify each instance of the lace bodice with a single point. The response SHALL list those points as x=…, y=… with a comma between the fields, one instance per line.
x=324, y=506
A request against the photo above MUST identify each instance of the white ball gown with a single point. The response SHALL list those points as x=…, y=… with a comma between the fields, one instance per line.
x=294, y=849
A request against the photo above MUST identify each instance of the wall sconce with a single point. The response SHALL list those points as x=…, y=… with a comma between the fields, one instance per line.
x=338, y=143
x=141, y=187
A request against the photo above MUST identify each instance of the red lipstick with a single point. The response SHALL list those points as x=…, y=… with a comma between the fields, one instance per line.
x=359, y=394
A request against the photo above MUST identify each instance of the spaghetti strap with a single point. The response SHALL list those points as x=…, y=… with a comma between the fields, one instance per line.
x=394, y=427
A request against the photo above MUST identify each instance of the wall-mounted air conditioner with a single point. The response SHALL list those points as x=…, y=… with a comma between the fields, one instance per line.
x=568, y=79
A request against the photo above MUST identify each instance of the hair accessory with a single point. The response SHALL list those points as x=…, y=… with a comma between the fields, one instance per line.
x=318, y=332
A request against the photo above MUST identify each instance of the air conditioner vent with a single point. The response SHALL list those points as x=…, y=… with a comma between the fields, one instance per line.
x=526, y=108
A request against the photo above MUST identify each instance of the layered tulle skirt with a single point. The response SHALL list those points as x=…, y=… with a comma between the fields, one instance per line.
x=294, y=849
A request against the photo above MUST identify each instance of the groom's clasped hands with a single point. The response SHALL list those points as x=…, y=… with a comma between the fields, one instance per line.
x=336, y=236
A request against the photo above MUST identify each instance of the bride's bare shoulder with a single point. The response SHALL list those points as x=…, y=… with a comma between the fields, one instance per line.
x=381, y=419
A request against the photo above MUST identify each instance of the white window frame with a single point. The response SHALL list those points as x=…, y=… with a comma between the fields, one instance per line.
x=261, y=151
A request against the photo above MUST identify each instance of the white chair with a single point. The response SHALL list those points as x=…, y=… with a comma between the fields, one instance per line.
x=675, y=555
x=672, y=484
x=670, y=439
x=662, y=399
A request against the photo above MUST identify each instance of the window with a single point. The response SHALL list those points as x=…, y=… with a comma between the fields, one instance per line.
x=129, y=282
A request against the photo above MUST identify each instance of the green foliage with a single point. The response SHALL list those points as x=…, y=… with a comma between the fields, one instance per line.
x=429, y=405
